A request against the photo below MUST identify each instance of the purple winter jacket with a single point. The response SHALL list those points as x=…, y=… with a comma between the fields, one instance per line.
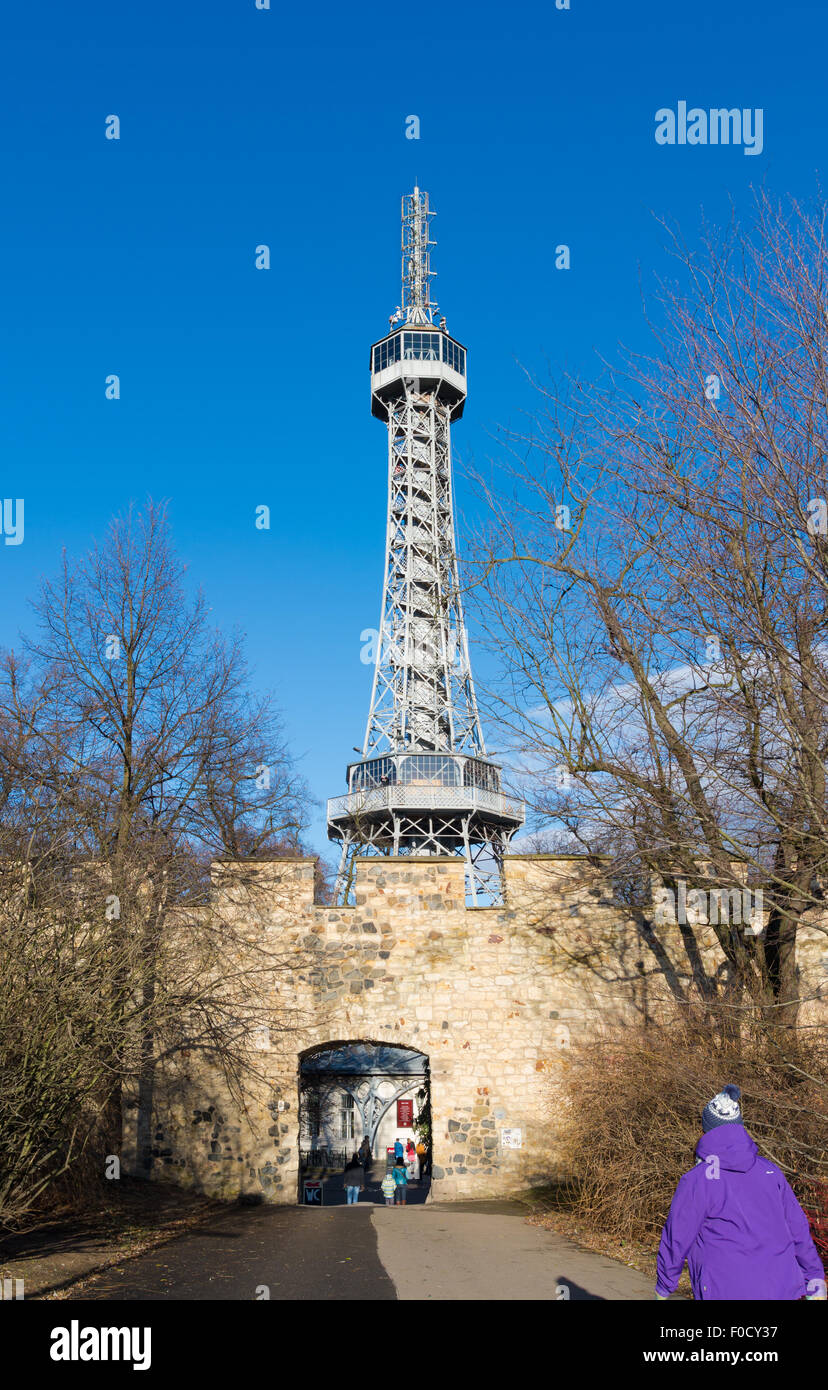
x=742, y=1232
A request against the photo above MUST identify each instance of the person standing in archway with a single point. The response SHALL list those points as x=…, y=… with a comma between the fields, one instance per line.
x=421, y=1159
x=354, y=1180
x=365, y=1153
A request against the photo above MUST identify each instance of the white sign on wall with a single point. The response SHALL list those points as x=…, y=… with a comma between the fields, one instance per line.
x=511, y=1139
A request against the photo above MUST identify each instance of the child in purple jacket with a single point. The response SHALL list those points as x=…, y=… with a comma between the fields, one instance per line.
x=736, y=1221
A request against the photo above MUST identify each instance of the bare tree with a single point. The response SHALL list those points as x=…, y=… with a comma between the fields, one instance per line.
x=133, y=754
x=655, y=580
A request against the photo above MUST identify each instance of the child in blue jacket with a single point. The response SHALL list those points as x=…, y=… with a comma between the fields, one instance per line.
x=401, y=1180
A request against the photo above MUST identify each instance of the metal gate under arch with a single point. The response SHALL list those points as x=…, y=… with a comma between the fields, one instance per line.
x=375, y=1075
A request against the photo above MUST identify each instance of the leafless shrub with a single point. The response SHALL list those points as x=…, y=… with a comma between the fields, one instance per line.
x=632, y=1105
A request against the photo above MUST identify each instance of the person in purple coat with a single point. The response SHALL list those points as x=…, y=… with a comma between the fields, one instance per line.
x=735, y=1220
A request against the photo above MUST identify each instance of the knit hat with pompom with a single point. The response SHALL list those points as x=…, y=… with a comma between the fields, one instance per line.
x=723, y=1109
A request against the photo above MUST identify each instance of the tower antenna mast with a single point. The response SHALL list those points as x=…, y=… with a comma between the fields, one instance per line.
x=417, y=274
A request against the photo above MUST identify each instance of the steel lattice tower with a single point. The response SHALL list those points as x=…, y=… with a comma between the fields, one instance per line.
x=424, y=784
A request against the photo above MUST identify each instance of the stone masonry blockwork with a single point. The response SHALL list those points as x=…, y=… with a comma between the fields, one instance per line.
x=486, y=993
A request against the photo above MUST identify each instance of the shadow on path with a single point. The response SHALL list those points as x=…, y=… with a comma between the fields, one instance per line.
x=574, y=1293
x=253, y=1253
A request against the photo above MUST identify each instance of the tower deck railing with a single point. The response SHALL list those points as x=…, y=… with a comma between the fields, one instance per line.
x=427, y=797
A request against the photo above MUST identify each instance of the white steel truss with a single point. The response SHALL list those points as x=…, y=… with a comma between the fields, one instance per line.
x=425, y=785
x=423, y=696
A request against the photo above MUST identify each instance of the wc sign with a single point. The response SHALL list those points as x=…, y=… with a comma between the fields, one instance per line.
x=312, y=1194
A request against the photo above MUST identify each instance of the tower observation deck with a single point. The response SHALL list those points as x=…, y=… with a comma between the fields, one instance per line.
x=424, y=784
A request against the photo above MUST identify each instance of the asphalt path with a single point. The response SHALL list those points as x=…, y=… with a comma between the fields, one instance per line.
x=294, y=1253
x=367, y=1253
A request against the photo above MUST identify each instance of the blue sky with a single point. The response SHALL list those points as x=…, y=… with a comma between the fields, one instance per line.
x=287, y=127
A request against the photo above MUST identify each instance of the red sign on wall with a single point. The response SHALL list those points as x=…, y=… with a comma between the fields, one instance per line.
x=405, y=1114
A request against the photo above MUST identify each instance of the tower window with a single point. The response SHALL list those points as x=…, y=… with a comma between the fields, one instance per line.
x=386, y=353
x=430, y=767
x=482, y=775
x=454, y=356
x=381, y=772
x=420, y=347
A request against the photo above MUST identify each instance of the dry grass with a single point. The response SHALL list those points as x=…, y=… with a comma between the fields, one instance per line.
x=632, y=1118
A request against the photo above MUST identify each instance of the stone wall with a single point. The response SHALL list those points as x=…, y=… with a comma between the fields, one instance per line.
x=493, y=996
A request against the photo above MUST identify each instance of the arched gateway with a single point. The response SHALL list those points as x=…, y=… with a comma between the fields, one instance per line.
x=353, y=1092
x=346, y=1090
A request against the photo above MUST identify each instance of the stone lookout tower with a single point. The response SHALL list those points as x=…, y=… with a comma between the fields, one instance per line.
x=424, y=785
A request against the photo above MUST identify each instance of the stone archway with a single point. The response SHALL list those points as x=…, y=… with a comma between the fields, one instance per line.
x=348, y=1091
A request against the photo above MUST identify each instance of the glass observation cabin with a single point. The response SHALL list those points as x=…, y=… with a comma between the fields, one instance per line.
x=449, y=784
x=429, y=355
x=430, y=770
